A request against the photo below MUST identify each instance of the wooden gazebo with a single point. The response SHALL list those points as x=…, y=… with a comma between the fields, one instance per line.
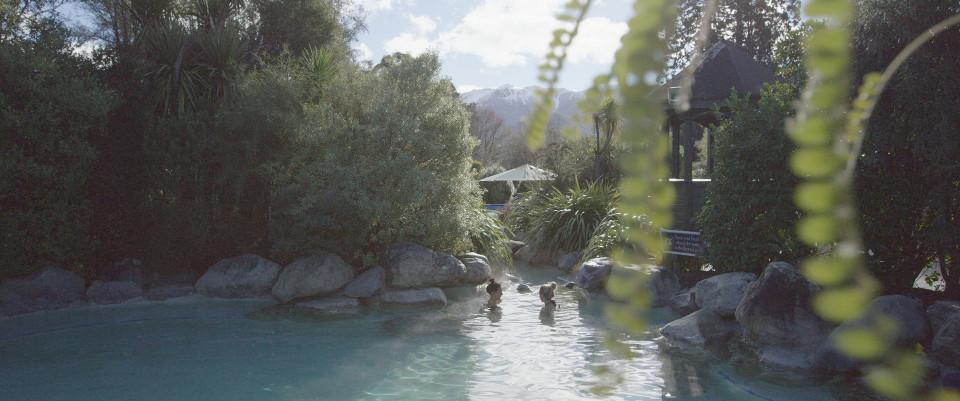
x=722, y=69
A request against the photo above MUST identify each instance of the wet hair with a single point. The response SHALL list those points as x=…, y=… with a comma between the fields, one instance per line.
x=547, y=291
x=494, y=286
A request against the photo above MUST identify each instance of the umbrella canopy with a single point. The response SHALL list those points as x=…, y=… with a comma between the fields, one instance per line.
x=525, y=172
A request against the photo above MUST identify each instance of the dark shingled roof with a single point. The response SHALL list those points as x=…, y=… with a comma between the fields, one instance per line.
x=722, y=68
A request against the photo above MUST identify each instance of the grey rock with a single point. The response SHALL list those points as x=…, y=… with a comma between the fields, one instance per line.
x=569, y=261
x=515, y=245
x=721, y=294
x=662, y=282
x=571, y=285
x=786, y=358
x=908, y=314
x=52, y=288
x=700, y=328
x=478, y=267
x=592, y=275
x=535, y=252
x=367, y=284
x=113, y=292
x=512, y=278
x=775, y=309
x=524, y=289
x=130, y=269
x=408, y=297
x=944, y=319
x=244, y=276
x=684, y=303
x=168, y=291
x=321, y=273
x=331, y=304
x=409, y=265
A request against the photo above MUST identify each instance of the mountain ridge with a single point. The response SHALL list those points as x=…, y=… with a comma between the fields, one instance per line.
x=514, y=104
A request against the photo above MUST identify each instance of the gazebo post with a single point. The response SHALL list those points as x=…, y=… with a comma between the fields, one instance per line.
x=709, y=133
x=674, y=131
x=688, y=150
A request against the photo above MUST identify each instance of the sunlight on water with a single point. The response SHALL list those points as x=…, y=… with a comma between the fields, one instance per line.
x=198, y=348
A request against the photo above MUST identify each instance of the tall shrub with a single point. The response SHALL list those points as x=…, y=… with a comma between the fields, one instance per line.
x=567, y=220
x=749, y=217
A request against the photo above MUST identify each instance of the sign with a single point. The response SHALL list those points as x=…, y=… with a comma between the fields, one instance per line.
x=686, y=243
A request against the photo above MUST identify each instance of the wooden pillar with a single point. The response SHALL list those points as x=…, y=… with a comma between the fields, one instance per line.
x=688, y=150
x=675, y=145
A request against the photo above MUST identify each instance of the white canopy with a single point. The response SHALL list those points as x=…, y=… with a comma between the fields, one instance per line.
x=525, y=172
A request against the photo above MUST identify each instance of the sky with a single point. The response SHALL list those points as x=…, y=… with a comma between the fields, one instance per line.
x=490, y=43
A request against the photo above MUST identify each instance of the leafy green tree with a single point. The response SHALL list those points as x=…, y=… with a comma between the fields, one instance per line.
x=908, y=179
x=749, y=217
x=384, y=157
x=51, y=107
x=754, y=25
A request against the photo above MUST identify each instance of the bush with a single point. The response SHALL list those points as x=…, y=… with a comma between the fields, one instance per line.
x=611, y=235
x=748, y=217
x=490, y=238
x=567, y=221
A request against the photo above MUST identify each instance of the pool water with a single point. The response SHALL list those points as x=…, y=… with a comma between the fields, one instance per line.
x=208, y=349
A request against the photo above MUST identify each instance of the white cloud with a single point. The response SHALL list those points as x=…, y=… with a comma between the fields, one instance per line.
x=363, y=51
x=597, y=41
x=424, y=23
x=408, y=43
x=467, y=88
x=375, y=6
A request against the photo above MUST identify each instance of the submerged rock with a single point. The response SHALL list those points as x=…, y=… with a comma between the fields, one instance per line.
x=322, y=273
x=52, y=288
x=700, y=329
x=722, y=294
x=569, y=261
x=168, y=291
x=113, y=292
x=409, y=297
x=367, y=284
x=524, y=289
x=330, y=304
x=244, y=276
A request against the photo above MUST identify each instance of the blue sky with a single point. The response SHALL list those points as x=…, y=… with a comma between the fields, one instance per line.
x=489, y=43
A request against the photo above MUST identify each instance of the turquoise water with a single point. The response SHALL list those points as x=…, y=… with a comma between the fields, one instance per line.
x=207, y=349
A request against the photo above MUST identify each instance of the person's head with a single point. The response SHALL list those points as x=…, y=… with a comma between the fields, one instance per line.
x=547, y=291
x=494, y=286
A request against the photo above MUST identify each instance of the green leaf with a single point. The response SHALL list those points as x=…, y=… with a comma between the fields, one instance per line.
x=816, y=196
x=839, y=304
x=828, y=271
x=861, y=343
x=817, y=229
x=814, y=162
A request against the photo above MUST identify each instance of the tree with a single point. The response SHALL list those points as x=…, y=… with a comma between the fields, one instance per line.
x=606, y=122
x=756, y=26
x=748, y=217
x=51, y=107
x=908, y=176
x=488, y=128
x=384, y=158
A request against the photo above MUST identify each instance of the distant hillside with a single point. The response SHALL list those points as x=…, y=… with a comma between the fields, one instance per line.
x=513, y=104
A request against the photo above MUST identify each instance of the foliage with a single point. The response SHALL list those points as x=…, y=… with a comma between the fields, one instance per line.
x=517, y=214
x=495, y=192
x=908, y=180
x=749, y=217
x=384, y=158
x=487, y=128
x=610, y=236
x=566, y=221
x=755, y=26
x=490, y=238
x=51, y=107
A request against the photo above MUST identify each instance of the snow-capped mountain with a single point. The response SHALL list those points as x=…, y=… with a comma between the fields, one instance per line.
x=513, y=104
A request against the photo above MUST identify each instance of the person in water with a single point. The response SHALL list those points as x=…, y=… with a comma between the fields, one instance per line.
x=547, y=292
x=495, y=290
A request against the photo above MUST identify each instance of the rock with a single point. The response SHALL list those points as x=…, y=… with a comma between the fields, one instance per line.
x=662, y=282
x=478, y=267
x=569, y=261
x=112, y=292
x=512, y=278
x=130, y=269
x=534, y=252
x=367, y=284
x=524, y=289
x=244, y=276
x=721, y=294
x=592, y=275
x=684, y=303
x=406, y=297
x=944, y=317
x=168, y=291
x=786, y=358
x=571, y=285
x=463, y=293
x=330, y=304
x=52, y=288
x=321, y=273
x=700, y=328
x=409, y=265
x=515, y=245
x=775, y=309
x=908, y=314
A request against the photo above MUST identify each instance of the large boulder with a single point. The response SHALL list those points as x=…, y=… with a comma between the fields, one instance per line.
x=478, y=267
x=684, y=303
x=366, y=284
x=409, y=265
x=163, y=293
x=569, y=261
x=663, y=284
x=244, y=276
x=944, y=319
x=700, y=329
x=721, y=294
x=911, y=327
x=112, y=292
x=52, y=288
x=537, y=252
x=775, y=309
x=321, y=273
x=410, y=297
x=592, y=275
